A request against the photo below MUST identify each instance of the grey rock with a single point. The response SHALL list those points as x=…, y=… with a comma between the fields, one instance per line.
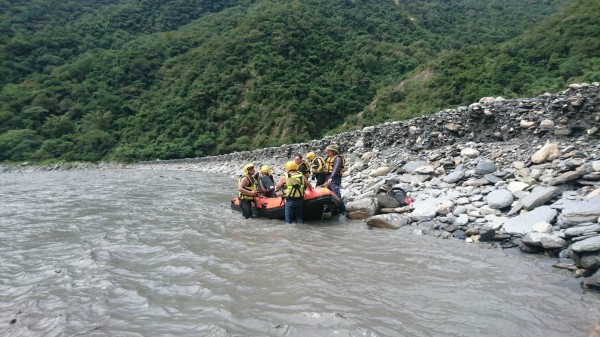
x=455, y=176
x=588, y=245
x=492, y=178
x=458, y=210
x=499, y=199
x=486, y=234
x=523, y=223
x=590, y=261
x=410, y=167
x=566, y=177
x=461, y=220
x=368, y=205
x=459, y=234
x=580, y=212
x=390, y=221
x=592, y=282
x=544, y=240
x=386, y=201
x=539, y=196
x=485, y=167
x=582, y=229
x=425, y=209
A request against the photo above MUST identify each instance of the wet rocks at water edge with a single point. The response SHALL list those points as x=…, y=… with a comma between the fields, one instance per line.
x=522, y=173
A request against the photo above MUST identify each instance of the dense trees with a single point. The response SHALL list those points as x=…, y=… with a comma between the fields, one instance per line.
x=133, y=80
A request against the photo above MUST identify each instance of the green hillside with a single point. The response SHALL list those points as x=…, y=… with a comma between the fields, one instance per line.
x=133, y=80
x=562, y=49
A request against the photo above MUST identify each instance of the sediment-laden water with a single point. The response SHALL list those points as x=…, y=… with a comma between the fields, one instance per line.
x=160, y=253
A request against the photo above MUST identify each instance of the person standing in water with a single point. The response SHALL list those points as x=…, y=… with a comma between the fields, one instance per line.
x=247, y=190
x=295, y=184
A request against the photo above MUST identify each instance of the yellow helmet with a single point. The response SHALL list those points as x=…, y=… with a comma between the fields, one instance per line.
x=247, y=167
x=310, y=155
x=265, y=169
x=291, y=166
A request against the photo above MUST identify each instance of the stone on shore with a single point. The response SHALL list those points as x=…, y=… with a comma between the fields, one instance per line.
x=499, y=199
x=588, y=245
x=579, y=212
x=363, y=207
x=539, y=196
x=390, y=221
x=544, y=240
x=548, y=152
x=523, y=223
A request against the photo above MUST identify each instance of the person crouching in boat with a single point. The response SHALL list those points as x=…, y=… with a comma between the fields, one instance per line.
x=295, y=183
x=266, y=183
x=247, y=190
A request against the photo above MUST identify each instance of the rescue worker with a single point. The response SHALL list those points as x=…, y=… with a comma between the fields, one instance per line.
x=266, y=183
x=334, y=168
x=247, y=190
x=302, y=165
x=317, y=168
x=295, y=183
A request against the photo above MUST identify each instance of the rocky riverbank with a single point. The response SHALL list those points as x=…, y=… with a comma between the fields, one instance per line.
x=509, y=173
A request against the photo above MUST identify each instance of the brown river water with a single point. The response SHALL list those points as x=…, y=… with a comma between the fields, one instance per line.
x=160, y=253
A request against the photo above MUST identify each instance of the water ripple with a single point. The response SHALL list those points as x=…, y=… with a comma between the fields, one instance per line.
x=126, y=253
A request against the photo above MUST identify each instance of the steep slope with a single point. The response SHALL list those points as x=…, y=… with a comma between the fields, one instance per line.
x=239, y=75
x=562, y=49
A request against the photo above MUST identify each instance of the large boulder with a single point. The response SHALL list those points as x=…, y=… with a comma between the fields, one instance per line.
x=366, y=206
x=587, y=245
x=391, y=221
x=539, y=196
x=523, y=223
x=583, y=229
x=545, y=240
x=579, y=212
x=593, y=283
x=425, y=209
x=386, y=201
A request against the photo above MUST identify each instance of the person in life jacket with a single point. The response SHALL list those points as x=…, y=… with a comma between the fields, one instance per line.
x=266, y=183
x=247, y=190
x=293, y=183
x=334, y=168
x=302, y=165
x=317, y=168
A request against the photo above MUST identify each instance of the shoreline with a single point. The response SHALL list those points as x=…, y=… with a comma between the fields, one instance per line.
x=507, y=173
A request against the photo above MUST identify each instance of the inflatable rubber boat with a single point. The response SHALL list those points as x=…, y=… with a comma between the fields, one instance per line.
x=319, y=203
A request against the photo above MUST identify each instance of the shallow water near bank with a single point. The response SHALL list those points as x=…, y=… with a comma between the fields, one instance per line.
x=160, y=253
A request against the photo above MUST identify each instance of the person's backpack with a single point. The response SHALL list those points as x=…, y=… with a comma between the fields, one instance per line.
x=390, y=188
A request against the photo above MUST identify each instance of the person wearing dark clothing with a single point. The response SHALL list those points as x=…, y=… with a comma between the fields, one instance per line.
x=334, y=168
x=302, y=165
x=266, y=183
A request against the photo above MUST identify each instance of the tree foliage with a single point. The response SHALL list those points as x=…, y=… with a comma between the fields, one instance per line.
x=135, y=80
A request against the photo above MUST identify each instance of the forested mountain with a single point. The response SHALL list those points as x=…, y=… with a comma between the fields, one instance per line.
x=132, y=80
